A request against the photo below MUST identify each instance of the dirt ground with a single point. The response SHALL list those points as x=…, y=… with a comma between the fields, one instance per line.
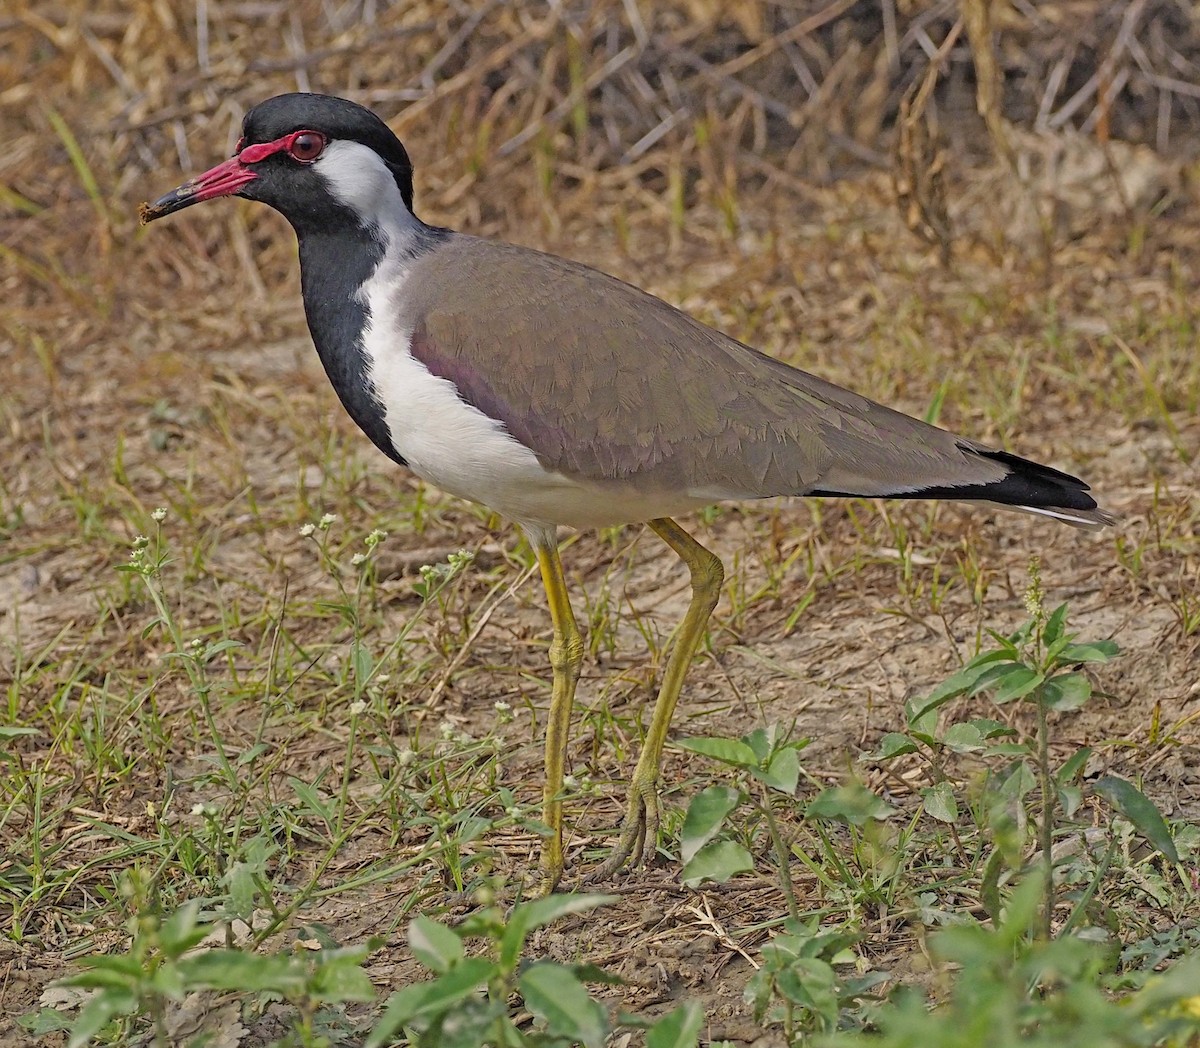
x=171, y=366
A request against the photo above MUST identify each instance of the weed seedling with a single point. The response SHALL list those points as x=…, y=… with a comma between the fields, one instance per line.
x=467, y=1003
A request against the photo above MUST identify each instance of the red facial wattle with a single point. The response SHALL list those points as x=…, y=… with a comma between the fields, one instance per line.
x=228, y=178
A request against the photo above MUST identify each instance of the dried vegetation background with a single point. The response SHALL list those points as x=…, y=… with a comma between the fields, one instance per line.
x=815, y=178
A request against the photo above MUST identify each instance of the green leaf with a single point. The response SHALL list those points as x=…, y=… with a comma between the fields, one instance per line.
x=989, y=884
x=705, y=816
x=921, y=721
x=893, y=744
x=1067, y=691
x=1015, y=782
x=1015, y=682
x=810, y=982
x=475, y=1022
x=429, y=999
x=940, y=802
x=312, y=799
x=854, y=804
x=182, y=930
x=994, y=673
x=252, y=753
x=783, y=773
x=1140, y=811
x=100, y=1011
x=434, y=945
x=7, y=732
x=960, y=683
x=677, y=1029
x=1096, y=651
x=555, y=996
x=540, y=912
x=220, y=646
x=240, y=881
x=761, y=741
x=1074, y=765
x=1053, y=630
x=339, y=980
x=1008, y=749
x=44, y=1021
x=727, y=751
x=364, y=664
x=716, y=861
x=991, y=729
x=963, y=738
x=249, y=972
x=166, y=981
x=103, y=971
x=950, y=688
x=1070, y=798
x=1010, y=645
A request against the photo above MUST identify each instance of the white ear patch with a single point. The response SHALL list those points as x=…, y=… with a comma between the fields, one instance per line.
x=361, y=181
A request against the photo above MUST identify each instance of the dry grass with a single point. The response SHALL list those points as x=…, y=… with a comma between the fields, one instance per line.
x=731, y=157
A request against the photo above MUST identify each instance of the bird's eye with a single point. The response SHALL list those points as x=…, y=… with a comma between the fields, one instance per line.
x=306, y=146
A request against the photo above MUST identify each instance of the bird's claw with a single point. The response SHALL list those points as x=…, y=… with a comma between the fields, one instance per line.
x=639, y=834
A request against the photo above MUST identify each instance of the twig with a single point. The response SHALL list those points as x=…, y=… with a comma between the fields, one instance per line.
x=477, y=627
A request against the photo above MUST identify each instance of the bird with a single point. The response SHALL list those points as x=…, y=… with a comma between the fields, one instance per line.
x=559, y=396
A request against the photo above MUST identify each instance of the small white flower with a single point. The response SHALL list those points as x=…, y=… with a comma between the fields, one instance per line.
x=501, y=707
x=159, y=515
x=382, y=678
x=358, y=708
x=406, y=757
x=327, y=520
x=306, y=530
x=358, y=559
x=375, y=538
x=140, y=542
x=570, y=782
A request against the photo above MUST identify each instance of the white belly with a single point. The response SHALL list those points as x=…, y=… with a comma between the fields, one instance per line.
x=458, y=448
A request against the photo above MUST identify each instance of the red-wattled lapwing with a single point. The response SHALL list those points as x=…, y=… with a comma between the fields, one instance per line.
x=558, y=395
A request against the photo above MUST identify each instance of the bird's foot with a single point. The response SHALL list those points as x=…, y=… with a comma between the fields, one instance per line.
x=639, y=833
x=550, y=868
x=538, y=885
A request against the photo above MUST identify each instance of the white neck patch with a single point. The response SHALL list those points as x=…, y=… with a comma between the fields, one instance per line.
x=361, y=181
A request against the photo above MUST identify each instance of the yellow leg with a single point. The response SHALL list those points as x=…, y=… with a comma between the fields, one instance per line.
x=566, y=656
x=639, y=833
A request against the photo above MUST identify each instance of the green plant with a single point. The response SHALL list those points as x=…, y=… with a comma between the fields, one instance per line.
x=1006, y=986
x=467, y=1003
x=768, y=765
x=1039, y=664
x=798, y=984
x=767, y=770
x=163, y=964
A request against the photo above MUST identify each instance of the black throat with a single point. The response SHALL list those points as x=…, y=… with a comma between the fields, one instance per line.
x=334, y=264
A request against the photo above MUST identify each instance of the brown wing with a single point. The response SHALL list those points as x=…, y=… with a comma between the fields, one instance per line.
x=607, y=383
